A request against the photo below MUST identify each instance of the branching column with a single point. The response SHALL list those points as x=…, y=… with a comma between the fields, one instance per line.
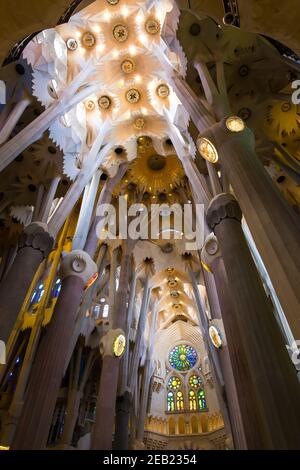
x=273, y=225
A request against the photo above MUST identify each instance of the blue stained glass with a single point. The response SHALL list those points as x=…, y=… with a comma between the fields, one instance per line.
x=183, y=357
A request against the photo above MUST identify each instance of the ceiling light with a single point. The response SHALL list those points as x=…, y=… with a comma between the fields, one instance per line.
x=132, y=49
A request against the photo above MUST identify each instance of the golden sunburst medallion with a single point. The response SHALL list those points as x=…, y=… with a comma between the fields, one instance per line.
x=139, y=123
x=152, y=26
x=163, y=91
x=104, y=102
x=88, y=39
x=120, y=33
x=128, y=66
x=133, y=96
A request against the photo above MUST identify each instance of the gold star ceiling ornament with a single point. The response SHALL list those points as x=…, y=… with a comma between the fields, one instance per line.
x=155, y=173
x=152, y=173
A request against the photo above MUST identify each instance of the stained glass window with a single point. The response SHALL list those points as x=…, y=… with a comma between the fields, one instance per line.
x=179, y=401
x=192, y=400
x=171, y=402
x=183, y=357
x=195, y=381
x=174, y=383
x=201, y=399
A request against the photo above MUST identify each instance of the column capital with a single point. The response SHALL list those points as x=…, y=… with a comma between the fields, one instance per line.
x=113, y=343
x=223, y=206
x=78, y=263
x=37, y=236
x=210, y=251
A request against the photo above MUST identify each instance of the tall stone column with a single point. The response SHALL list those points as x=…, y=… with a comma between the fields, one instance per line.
x=273, y=225
x=47, y=372
x=217, y=305
x=136, y=355
x=148, y=374
x=113, y=282
x=125, y=359
x=211, y=352
x=265, y=376
x=123, y=406
x=106, y=403
x=124, y=398
x=34, y=246
x=102, y=435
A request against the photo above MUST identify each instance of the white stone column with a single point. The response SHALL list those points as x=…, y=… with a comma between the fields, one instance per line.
x=86, y=211
x=70, y=98
x=74, y=192
x=149, y=367
x=140, y=332
x=13, y=119
x=48, y=200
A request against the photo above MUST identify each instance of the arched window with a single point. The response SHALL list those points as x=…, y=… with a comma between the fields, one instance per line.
x=192, y=400
x=56, y=289
x=106, y=311
x=36, y=297
x=197, y=399
x=201, y=399
x=179, y=401
x=171, y=401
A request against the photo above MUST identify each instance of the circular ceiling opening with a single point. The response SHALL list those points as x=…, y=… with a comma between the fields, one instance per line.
x=156, y=162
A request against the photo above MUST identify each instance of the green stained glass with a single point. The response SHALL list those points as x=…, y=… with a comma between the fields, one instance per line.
x=195, y=381
x=171, y=402
x=183, y=357
x=201, y=399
